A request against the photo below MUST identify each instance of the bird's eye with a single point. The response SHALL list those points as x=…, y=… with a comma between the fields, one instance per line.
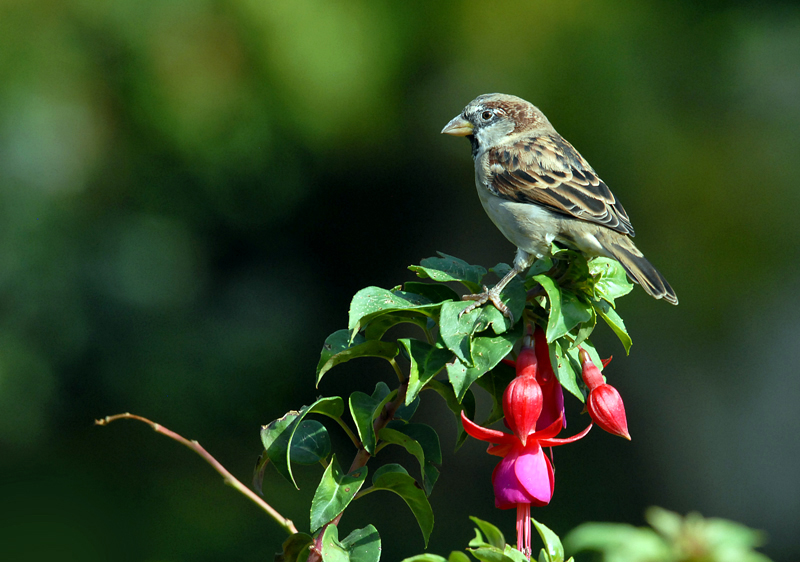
x=487, y=115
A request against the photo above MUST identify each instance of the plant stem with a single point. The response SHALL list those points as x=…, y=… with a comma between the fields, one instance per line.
x=400, y=376
x=227, y=476
x=361, y=458
x=348, y=431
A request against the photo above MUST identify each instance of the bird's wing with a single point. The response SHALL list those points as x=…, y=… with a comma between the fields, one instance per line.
x=547, y=170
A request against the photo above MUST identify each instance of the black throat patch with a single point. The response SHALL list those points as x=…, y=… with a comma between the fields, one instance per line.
x=474, y=142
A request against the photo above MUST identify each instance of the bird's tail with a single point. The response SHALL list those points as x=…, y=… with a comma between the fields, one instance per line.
x=637, y=267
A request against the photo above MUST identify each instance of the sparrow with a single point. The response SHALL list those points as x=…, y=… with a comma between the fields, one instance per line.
x=537, y=189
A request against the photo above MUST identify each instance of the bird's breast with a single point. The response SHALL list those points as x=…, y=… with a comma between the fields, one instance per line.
x=530, y=227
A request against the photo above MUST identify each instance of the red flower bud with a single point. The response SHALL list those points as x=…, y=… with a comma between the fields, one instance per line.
x=527, y=365
x=604, y=403
x=522, y=404
x=590, y=373
x=606, y=409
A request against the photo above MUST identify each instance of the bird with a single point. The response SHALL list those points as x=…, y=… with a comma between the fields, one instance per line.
x=537, y=189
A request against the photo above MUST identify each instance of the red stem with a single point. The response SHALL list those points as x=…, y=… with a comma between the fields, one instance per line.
x=197, y=448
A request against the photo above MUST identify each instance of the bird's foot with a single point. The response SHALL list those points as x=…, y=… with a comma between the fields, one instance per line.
x=488, y=295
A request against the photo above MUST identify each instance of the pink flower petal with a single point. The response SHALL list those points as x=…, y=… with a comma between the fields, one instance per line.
x=534, y=473
x=508, y=492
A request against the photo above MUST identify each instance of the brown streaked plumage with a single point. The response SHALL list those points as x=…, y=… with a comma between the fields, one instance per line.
x=537, y=188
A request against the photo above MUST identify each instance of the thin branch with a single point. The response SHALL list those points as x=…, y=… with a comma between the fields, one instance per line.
x=197, y=448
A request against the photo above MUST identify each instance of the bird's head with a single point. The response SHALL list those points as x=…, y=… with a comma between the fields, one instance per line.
x=493, y=119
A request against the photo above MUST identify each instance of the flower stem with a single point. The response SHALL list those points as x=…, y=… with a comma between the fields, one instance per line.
x=524, y=529
x=227, y=476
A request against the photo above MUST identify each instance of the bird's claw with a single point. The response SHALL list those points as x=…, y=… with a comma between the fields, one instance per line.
x=488, y=295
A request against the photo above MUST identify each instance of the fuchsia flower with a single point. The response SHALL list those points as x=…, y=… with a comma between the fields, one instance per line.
x=604, y=403
x=536, y=359
x=525, y=475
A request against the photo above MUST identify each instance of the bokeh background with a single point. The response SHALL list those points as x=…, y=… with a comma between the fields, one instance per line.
x=191, y=191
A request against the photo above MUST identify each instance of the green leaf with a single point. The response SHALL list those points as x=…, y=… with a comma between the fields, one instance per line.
x=555, y=322
x=668, y=523
x=619, y=542
x=490, y=554
x=478, y=540
x=422, y=442
x=566, y=309
x=574, y=310
x=371, y=302
x=615, y=322
x=427, y=557
x=448, y=268
x=408, y=443
x=332, y=549
x=431, y=291
x=585, y=329
x=406, y=411
x=362, y=409
x=376, y=329
x=295, y=548
x=514, y=554
x=426, y=362
x=458, y=556
x=338, y=349
x=722, y=540
x=577, y=274
x=278, y=435
x=335, y=491
x=467, y=405
x=487, y=352
x=311, y=443
x=382, y=392
x=611, y=281
x=394, y=478
x=456, y=330
x=426, y=436
x=493, y=535
x=553, y=550
x=362, y=545
x=366, y=409
x=565, y=369
x=539, y=266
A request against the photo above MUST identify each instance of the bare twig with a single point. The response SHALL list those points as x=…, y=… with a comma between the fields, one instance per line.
x=197, y=448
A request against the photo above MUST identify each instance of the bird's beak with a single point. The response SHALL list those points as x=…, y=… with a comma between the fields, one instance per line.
x=458, y=127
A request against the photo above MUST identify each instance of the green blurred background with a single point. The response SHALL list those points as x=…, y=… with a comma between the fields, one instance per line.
x=191, y=192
